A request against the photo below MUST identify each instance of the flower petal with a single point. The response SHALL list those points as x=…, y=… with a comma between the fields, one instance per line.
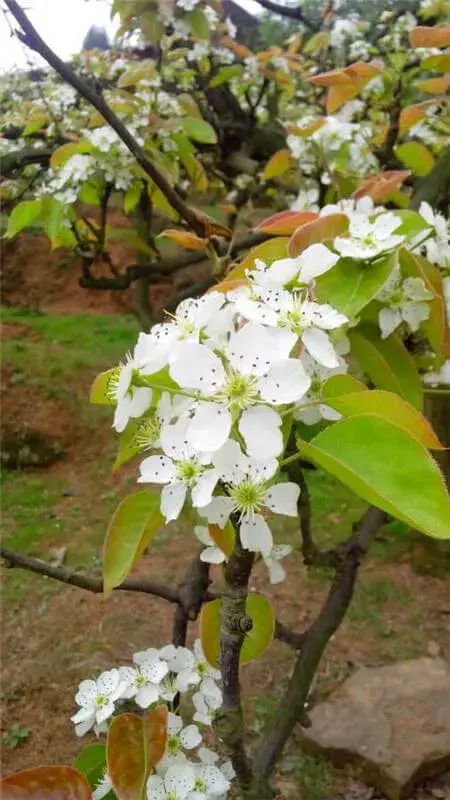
x=172, y=500
x=155, y=788
x=251, y=350
x=260, y=426
x=157, y=469
x=203, y=489
x=212, y=555
x=285, y=382
x=190, y=737
x=282, y=498
x=218, y=511
x=256, y=535
x=202, y=534
x=210, y=427
x=319, y=346
x=283, y=270
x=87, y=692
x=389, y=319
x=195, y=366
x=230, y=462
x=147, y=696
x=179, y=780
x=314, y=261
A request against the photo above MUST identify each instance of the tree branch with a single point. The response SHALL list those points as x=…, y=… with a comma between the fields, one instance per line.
x=315, y=640
x=31, y=38
x=84, y=581
x=289, y=12
x=229, y=725
x=21, y=158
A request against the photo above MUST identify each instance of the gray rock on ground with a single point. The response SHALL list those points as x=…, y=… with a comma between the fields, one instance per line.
x=393, y=722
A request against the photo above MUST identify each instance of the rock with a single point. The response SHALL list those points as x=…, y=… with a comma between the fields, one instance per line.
x=393, y=722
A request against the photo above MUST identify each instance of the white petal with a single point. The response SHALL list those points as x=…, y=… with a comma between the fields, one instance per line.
x=389, y=319
x=180, y=780
x=281, y=551
x=172, y=500
x=314, y=261
x=83, y=715
x=84, y=727
x=212, y=555
x=319, y=346
x=185, y=679
x=216, y=782
x=275, y=570
x=174, y=723
x=283, y=270
x=210, y=427
x=282, y=498
x=218, y=511
x=415, y=289
x=87, y=692
x=141, y=400
x=195, y=366
x=174, y=440
x=122, y=414
x=255, y=311
x=155, y=671
x=207, y=756
x=426, y=212
x=104, y=713
x=148, y=656
x=203, y=489
x=256, y=535
x=155, y=788
x=146, y=696
x=251, y=350
x=385, y=224
x=414, y=313
x=261, y=471
x=286, y=382
x=190, y=737
x=284, y=340
x=310, y=415
x=157, y=469
x=202, y=534
x=230, y=462
x=260, y=427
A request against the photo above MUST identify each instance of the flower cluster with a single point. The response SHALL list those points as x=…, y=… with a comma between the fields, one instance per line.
x=158, y=676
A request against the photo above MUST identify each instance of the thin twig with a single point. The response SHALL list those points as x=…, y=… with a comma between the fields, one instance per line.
x=85, y=581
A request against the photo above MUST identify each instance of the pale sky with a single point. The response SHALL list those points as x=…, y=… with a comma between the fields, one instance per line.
x=63, y=24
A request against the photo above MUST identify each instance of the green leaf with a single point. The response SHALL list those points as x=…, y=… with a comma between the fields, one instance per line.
x=134, y=747
x=22, y=215
x=412, y=223
x=199, y=130
x=198, y=23
x=350, y=285
x=100, y=394
x=134, y=523
x=226, y=74
x=53, y=216
x=416, y=156
x=338, y=385
x=91, y=762
x=387, y=363
x=391, y=407
x=131, y=198
x=162, y=381
x=385, y=466
x=35, y=123
x=51, y=783
x=131, y=237
x=128, y=448
x=151, y=26
x=91, y=193
x=256, y=641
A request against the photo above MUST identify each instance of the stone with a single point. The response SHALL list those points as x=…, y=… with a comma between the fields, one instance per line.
x=391, y=722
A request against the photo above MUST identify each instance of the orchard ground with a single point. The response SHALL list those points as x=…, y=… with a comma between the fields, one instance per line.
x=56, y=338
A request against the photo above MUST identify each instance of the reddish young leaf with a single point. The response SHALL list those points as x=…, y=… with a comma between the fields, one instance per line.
x=334, y=77
x=321, y=229
x=223, y=538
x=381, y=186
x=285, y=223
x=435, y=36
x=435, y=85
x=411, y=115
x=134, y=747
x=46, y=783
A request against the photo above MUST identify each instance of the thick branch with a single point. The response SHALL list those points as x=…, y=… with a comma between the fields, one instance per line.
x=289, y=12
x=316, y=638
x=84, y=581
x=31, y=38
x=431, y=187
x=21, y=158
x=229, y=724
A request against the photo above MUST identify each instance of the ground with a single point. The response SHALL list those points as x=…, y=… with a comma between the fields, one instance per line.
x=54, y=636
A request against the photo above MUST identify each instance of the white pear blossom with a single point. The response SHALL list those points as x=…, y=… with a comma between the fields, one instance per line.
x=177, y=783
x=103, y=787
x=180, y=469
x=438, y=378
x=179, y=738
x=192, y=669
x=143, y=681
x=206, y=706
x=210, y=783
x=211, y=554
x=438, y=248
x=307, y=200
x=96, y=699
x=406, y=301
x=367, y=239
x=272, y=562
x=248, y=493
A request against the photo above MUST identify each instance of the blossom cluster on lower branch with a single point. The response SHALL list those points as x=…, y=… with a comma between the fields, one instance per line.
x=188, y=770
